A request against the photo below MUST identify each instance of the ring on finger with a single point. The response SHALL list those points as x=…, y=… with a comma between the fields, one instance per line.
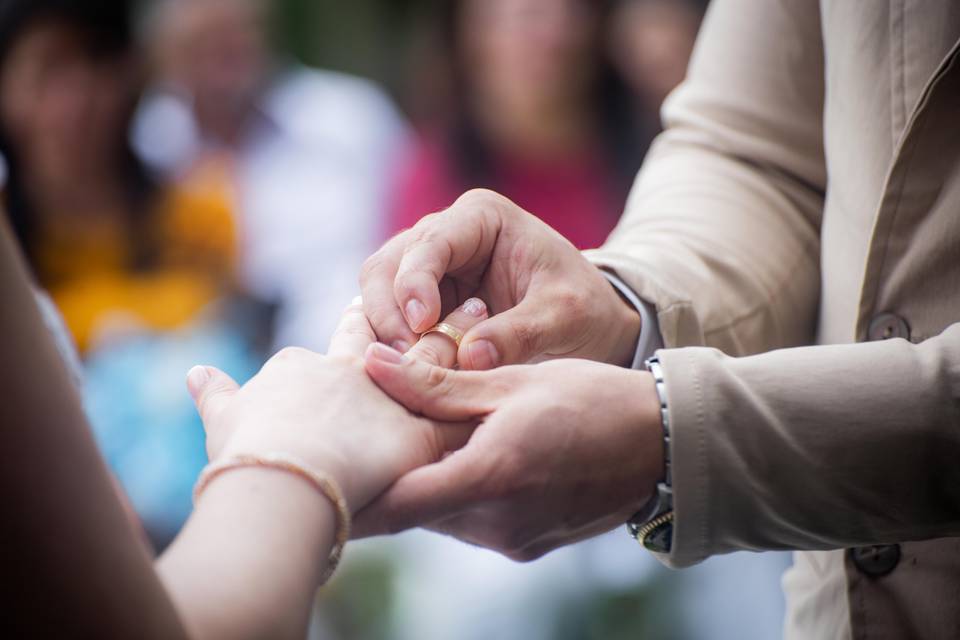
x=446, y=329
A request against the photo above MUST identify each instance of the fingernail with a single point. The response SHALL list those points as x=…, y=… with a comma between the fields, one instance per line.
x=385, y=354
x=401, y=345
x=415, y=312
x=197, y=377
x=475, y=307
x=357, y=301
x=482, y=354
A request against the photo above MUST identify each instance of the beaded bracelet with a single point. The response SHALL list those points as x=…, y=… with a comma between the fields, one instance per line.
x=325, y=484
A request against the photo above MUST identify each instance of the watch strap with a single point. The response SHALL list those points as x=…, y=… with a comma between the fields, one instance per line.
x=652, y=526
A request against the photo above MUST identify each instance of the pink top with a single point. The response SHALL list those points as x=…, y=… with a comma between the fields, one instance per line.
x=574, y=194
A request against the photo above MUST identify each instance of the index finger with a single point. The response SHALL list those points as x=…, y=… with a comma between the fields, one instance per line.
x=376, y=286
x=463, y=236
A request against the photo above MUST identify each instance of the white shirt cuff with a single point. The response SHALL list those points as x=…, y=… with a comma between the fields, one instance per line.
x=650, y=339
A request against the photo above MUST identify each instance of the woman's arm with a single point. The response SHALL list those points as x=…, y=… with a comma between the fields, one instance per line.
x=72, y=563
x=251, y=556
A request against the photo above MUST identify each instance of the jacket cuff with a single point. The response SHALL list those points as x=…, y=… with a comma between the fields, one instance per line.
x=684, y=389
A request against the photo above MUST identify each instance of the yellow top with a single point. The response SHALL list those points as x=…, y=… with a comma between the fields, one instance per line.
x=88, y=265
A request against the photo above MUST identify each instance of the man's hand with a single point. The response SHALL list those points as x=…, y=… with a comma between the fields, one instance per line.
x=565, y=450
x=546, y=300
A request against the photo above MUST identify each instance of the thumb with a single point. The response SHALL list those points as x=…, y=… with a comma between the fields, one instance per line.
x=515, y=336
x=211, y=390
x=436, y=392
x=424, y=495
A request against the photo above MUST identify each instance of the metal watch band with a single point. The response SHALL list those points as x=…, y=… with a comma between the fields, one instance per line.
x=656, y=370
x=652, y=526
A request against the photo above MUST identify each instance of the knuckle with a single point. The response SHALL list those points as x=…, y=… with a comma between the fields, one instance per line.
x=425, y=221
x=289, y=356
x=292, y=353
x=573, y=302
x=373, y=266
x=423, y=239
x=346, y=361
x=385, y=319
x=438, y=380
x=429, y=353
x=348, y=329
x=482, y=198
x=487, y=203
x=353, y=309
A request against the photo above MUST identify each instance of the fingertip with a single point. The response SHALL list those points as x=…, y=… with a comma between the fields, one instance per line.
x=197, y=378
x=418, y=297
x=475, y=307
x=415, y=313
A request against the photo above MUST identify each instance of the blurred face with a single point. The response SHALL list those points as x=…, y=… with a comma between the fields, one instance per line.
x=652, y=42
x=63, y=109
x=215, y=50
x=528, y=53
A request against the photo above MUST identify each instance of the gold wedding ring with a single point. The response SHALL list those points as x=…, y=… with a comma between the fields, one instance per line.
x=446, y=329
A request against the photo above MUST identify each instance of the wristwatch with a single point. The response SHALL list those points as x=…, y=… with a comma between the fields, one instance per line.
x=652, y=526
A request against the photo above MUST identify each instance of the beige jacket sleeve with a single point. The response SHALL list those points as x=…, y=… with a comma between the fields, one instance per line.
x=814, y=447
x=803, y=448
x=721, y=231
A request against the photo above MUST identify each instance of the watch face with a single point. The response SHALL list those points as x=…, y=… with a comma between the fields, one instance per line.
x=660, y=539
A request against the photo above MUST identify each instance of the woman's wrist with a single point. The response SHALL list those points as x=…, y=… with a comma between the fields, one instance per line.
x=322, y=459
x=255, y=486
x=279, y=530
x=323, y=483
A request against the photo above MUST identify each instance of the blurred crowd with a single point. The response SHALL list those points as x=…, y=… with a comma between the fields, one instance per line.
x=185, y=191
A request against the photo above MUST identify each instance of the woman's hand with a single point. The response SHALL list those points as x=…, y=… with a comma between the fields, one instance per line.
x=325, y=410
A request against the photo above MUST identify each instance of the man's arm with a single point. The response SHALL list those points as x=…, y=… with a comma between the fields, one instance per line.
x=721, y=231
x=814, y=447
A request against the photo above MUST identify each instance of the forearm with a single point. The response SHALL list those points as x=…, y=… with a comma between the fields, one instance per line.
x=814, y=448
x=250, y=558
x=73, y=565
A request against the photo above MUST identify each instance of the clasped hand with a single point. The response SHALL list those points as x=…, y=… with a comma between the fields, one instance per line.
x=522, y=458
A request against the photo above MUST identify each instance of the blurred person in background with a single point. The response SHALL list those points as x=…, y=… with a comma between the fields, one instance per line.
x=307, y=154
x=102, y=237
x=650, y=43
x=536, y=111
x=141, y=273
